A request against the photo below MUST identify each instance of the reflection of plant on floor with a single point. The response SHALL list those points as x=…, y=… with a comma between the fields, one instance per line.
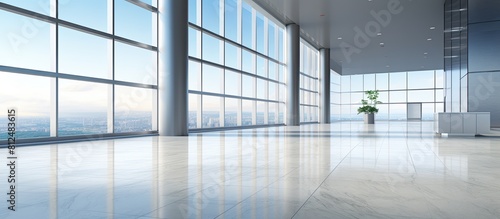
x=370, y=105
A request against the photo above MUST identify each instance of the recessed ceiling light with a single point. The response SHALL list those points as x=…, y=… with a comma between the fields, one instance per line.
x=339, y=38
x=425, y=53
x=429, y=39
x=432, y=28
x=382, y=44
x=379, y=34
x=387, y=66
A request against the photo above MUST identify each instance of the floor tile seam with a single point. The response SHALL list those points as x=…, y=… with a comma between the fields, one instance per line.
x=380, y=151
x=264, y=187
x=411, y=157
x=322, y=182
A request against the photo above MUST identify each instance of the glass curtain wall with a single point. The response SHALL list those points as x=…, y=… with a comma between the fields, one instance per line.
x=396, y=90
x=309, y=83
x=236, y=66
x=335, y=104
x=71, y=74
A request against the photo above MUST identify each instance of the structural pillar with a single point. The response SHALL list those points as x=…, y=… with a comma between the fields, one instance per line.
x=293, y=75
x=325, y=86
x=173, y=68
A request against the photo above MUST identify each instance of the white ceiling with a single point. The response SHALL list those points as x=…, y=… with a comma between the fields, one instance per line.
x=405, y=36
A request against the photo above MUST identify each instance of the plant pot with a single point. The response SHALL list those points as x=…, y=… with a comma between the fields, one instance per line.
x=369, y=118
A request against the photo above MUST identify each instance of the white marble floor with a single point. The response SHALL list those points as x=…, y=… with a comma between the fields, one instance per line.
x=343, y=170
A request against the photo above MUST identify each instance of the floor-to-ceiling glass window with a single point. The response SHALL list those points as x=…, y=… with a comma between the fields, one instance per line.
x=236, y=66
x=396, y=91
x=335, y=94
x=74, y=68
x=309, y=83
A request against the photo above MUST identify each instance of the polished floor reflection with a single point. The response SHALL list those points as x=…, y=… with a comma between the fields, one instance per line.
x=343, y=170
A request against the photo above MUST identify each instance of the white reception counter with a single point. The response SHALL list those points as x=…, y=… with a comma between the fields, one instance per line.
x=465, y=123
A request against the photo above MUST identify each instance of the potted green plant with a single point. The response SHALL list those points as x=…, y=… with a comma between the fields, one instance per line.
x=369, y=107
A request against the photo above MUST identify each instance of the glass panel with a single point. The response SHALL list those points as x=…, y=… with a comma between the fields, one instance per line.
x=397, y=96
x=83, y=107
x=484, y=46
x=356, y=98
x=248, y=61
x=213, y=49
x=134, y=64
x=194, y=43
x=369, y=82
x=281, y=73
x=247, y=112
x=281, y=92
x=78, y=12
x=483, y=11
x=382, y=81
x=32, y=46
x=281, y=46
x=302, y=57
x=261, y=66
x=273, y=91
x=345, y=98
x=135, y=23
x=281, y=115
x=383, y=96
x=30, y=96
x=345, y=83
x=40, y=6
x=134, y=109
x=335, y=113
x=303, y=114
x=421, y=96
x=354, y=113
x=345, y=110
x=231, y=112
x=272, y=70
x=211, y=15
x=233, y=81
x=383, y=112
x=398, y=81
x=194, y=76
x=272, y=40
x=439, y=79
x=212, y=79
x=420, y=79
x=261, y=112
x=247, y=33
x=211, y=111
x=193, y=11
x=357, y=83
x=439, y=107
x=248, y=86
x=89, y=56
x=261, y=37
x=439, y=95
x=231, y=20
x=261, y=89
x=397, y=111
x=194, y=104
x=232, y=55
x=272, y=113
x=428, y=111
